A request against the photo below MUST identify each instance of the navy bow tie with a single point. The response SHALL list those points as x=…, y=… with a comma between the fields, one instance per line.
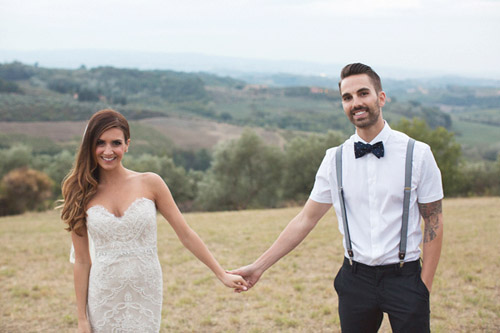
x=360, y=149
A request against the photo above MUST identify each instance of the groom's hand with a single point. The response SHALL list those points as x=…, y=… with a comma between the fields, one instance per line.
x=249, y=273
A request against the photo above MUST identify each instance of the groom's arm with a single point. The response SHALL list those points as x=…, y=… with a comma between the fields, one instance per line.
x=433, y=239
x=294, y=233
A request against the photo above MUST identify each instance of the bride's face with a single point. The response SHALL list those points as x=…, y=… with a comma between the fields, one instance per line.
x=110, y=148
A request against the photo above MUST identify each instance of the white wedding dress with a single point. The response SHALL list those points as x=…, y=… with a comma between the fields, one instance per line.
x=125, y=283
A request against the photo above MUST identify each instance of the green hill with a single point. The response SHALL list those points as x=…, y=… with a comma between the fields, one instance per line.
x=29, y=93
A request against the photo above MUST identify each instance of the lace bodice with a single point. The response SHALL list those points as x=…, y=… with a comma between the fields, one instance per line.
x=125, y=282
x=136, y=229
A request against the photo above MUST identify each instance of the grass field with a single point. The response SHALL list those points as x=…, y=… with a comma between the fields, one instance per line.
x=295, y=295
x=473, y=135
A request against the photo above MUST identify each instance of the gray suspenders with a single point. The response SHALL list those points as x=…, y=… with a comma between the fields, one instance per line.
x=406, y=201
x=347, y=236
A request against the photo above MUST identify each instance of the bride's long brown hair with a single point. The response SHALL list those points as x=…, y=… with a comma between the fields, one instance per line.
x=80, y=185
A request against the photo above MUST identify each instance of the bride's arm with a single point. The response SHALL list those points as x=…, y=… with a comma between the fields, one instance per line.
x=81, y=271
x=167, y=207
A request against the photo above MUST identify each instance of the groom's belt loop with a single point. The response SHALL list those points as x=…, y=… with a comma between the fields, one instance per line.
x=357, y=267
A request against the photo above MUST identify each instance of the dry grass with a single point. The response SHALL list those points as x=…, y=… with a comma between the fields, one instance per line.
x=296, y=295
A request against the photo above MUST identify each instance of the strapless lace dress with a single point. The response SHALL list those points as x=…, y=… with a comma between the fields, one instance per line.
x=125, y=283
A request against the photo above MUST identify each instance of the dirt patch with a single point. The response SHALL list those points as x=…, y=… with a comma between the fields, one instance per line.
x=58, y=131
x=198, y=133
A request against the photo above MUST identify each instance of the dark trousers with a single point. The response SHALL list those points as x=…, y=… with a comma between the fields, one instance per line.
x=366, y=292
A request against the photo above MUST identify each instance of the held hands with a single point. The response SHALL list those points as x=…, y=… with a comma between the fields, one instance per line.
x=249, y=273
x=234, y=281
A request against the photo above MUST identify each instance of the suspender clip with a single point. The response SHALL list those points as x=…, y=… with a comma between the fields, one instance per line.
x=401, y=259
x=351, y=254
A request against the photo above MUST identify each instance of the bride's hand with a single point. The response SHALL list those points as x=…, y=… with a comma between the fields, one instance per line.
x=84, y=327
x=234, y=281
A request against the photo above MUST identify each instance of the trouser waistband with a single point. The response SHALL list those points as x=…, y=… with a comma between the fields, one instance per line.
x=408, y=267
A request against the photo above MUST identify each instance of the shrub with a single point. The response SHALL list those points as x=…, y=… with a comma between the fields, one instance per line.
x=303, y=156
x=25, y=189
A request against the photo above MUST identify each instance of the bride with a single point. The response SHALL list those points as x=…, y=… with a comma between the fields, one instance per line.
x=121, y=288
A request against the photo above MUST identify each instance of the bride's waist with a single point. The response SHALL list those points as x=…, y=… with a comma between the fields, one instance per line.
x=105, y=252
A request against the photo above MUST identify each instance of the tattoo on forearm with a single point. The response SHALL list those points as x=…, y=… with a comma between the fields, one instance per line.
x=430, y=213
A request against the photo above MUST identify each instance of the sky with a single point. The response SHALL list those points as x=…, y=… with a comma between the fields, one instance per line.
x=457, y=37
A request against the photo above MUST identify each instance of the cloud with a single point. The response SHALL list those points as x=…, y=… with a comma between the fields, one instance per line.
x=412, y=33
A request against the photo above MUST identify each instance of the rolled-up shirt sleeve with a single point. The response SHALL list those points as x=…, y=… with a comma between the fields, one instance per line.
x=321, y=191
x=430, y=187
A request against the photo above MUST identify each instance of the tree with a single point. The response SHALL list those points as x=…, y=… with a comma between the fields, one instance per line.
x=87, y=95
x=9, y=87
x=16, y=71
x=245, y=173
x=55, y=166
x=63, y=85
x=192, y=160
x=303, y=155
x=15, y=157
x=180, y=183
x=25, y=189
x=446, y=150
x=481, y=178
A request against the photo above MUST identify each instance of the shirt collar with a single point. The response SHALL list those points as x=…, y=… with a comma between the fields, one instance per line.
x=382, y=136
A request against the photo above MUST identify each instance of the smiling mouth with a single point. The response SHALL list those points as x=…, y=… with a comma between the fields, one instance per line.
x=359, y=113
x=108, y=159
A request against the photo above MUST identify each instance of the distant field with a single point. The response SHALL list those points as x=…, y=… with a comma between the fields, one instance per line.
x=296, y=295
x=57, y=131
x=477, y=139
x=192, y=133
x=202, y=109
x=200, y=133
x=476, y=134
x=185, y=133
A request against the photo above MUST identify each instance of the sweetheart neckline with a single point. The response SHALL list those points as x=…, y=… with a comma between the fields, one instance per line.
x=126, y=210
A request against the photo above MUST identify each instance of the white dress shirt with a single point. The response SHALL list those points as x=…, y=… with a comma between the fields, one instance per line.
x=373, y=192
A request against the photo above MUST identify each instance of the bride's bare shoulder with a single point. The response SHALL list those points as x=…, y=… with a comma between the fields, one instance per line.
x=150, y=179
x=147, y=183
x=143, y=176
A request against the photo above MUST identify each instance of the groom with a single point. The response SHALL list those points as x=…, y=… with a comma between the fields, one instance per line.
x=365, y=180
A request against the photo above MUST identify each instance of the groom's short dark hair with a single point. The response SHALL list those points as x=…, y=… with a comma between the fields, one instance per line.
x=359, y=68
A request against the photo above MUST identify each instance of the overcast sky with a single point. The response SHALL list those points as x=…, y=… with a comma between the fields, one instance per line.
x=454, y=36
